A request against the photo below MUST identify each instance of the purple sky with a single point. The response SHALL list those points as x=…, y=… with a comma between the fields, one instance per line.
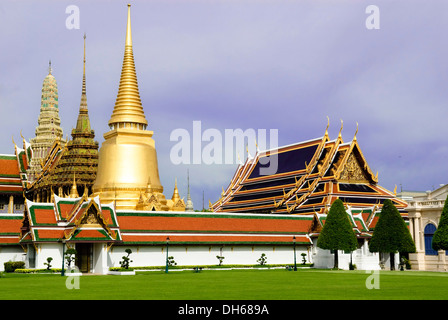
x=283, y=65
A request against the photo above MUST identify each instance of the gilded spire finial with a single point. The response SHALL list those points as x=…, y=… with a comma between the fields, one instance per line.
x=189, y=204
x=175, y=196
x=356, y=132
x=83, y=122
x=84, y=68
x=128, y=106
x=342, y=126
x=128, y=28
x=74, y=190
x=49, y=67
x=84, y=61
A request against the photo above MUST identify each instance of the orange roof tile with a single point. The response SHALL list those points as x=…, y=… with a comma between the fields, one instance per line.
x=8, y=165
x=217, y=222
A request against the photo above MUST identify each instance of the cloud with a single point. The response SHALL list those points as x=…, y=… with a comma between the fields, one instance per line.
x=283, y=65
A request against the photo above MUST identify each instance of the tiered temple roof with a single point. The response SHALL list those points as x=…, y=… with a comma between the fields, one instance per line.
x=10, y=182
x=11, y=188
x=309, y=177
x=87, y=220
x=72, y=220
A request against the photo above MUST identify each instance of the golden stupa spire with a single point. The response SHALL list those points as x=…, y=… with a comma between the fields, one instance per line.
x=128, y=111
x=84, y=68
x=175, y=196
x=127, y=160
x=74, y=190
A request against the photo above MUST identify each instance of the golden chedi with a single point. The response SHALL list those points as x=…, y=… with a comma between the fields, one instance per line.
x=128, y=172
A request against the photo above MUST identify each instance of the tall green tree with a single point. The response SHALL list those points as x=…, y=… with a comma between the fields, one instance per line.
x=337, y=232
x=440, y=238
x=391, y=235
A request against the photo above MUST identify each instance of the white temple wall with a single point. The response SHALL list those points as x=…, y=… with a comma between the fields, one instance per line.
x=197, y=255
x=100, y=258
x=11, y=253
x=361, y=257
x=45, y=250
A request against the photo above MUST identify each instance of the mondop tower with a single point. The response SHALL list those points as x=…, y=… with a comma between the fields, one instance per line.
x=128, y=173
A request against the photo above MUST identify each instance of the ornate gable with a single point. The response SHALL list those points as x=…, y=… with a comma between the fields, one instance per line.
x=89, y=216
x=352, y=171
x=353, y=167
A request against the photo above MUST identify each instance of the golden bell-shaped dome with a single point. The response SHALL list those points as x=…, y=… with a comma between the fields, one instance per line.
x=128, y=173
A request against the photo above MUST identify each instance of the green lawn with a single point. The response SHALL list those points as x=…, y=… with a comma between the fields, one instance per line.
x=271, y=284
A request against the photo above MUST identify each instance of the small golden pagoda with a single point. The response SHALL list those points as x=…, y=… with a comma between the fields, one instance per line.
x=128, y=173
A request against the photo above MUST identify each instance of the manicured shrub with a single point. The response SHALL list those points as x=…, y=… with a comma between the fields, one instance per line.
x=391, y=234
x=126, y=260
x=120, y=269
x=262, y=260
x=54, y=270
x=171, y=261
x=337, y=232
x=10, y=266
x=48, y=263
x=70, y=256
x=220, y=259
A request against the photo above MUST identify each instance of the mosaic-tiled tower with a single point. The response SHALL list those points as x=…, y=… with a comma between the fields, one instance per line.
x=48, y=129
x=80, y=158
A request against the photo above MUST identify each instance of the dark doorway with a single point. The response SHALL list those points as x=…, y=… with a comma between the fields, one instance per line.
x=84, y=257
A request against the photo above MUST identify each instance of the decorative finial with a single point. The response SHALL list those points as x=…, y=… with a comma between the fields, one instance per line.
x=356, y=132
x=128, y=28
x=189, y=205
x=74, y=190
x=342, y=126
x=49, y=67
x=128, y=105
x=328, y=125
x=84, y=48
x=83, y=92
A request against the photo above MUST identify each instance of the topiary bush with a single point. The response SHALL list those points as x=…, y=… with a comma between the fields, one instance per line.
x=126, y=260
x=262, y=260
x=48, y=263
